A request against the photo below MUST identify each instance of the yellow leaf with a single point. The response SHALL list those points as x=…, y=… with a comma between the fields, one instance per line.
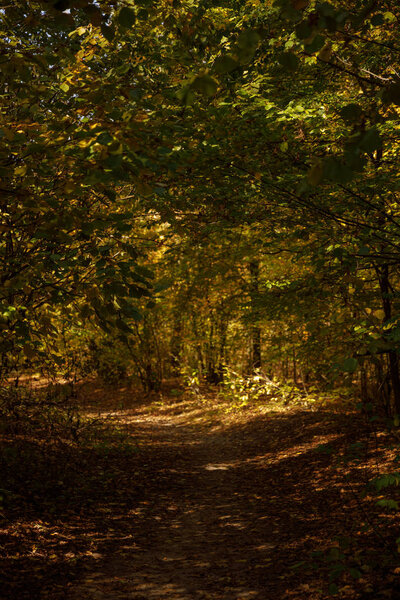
x=315, y=174
x=326, y=52
x=118, y=150
x=379, y=314
x=20, y=171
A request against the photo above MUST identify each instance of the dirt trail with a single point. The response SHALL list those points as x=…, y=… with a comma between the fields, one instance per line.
x=228, y=509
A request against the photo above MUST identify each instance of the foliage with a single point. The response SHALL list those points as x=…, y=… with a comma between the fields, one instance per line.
x=244, y=390
x=106, y=361
x=49, y=449
x=198, y=190
x=167, y=137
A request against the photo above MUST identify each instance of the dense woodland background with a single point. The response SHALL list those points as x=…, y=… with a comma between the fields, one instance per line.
x=198, y=192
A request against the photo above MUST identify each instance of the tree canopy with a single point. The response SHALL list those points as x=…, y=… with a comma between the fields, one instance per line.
x=232, y=164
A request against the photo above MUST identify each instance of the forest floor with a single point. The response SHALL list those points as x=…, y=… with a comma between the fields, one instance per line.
x=198, y=501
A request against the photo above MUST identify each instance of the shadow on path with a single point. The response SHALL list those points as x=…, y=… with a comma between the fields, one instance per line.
x=226, y=510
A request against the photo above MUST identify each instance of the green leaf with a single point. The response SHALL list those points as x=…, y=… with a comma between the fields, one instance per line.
x=333, y=589
x=351, y=112
x=205, y=84
x=248, y=39
x=350, y=365
x=137, y=292
x=371, y=140
x=123, y=326
x=390, y=504
x=247, y=45
x=337, y=171
x=185, y=95
x=225, y=64
x=104, y=138
x=131, y=312
x=303, y=30
x=316, y=173
x=391, y=95
x=126, y=17
x=317, y=43
x=377, y=19
x=289, y=61
x=108, y=32
x=355, y=573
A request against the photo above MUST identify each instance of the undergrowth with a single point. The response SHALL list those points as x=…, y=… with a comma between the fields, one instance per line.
x=371, y=466
x=257, y=389
x=53, y=457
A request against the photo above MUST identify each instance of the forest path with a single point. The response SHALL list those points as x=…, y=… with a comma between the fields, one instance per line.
x=229, y=504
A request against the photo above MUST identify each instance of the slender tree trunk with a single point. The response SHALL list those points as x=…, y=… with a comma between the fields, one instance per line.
x=176, y=344
x=254, y=267
x=363, y=384
x=384, y=283
x=198, y=346
x=222, y=345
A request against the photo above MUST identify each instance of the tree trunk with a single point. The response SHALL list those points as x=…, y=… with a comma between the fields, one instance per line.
x=363, y=384
x=176, y=344
x=254, y=267
x=384, y=283
x=294, y=365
